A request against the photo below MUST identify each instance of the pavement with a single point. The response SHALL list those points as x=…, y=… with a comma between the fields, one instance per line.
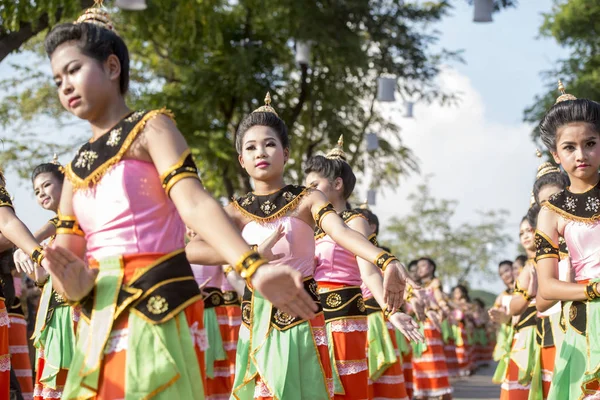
x=478, y=386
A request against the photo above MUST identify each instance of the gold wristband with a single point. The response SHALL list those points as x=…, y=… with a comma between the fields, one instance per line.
x=384, y=259
x=590, y=291
x=248, y=264
x=227, y=269
x=37, y=255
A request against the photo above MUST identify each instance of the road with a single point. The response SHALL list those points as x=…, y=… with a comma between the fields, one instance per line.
x=477, y=387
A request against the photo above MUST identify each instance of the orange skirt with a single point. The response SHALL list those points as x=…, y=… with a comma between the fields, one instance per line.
x=408, y=373
x=511, y=389
x=112, y=371
x=19, y=354
x=451, y=360
x=391, y=384
x=547, y=359
x=430, y=373
x=4, y=355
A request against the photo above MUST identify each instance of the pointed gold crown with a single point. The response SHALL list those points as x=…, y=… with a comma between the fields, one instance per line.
x=338, y=151
x=267, y=107
x=97, y=15
x=364, y=205
x=55, y=160
x=564, y=96
x=545, y=167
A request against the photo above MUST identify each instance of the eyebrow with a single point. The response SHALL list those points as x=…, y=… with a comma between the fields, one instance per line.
x=66, y=67
x=252, y=141
x=586, y=139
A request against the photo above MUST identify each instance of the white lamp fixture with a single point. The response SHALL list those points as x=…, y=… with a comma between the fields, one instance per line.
x=386, y=86
x=372, y=142
x=303, y=52
x=132, y=5
x=482, y=10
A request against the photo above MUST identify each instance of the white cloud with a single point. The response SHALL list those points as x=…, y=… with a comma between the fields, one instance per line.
x=482, y=164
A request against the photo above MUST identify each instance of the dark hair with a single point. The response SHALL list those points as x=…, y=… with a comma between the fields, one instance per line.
x=566, y=112
x=505, y=262
x=385, y=248
x=262, y=119
x=557, y=179
x=532, y=215
x=463, y=290
x=331, y=169
x=431, y=262
x=372, y=218
x=521, y=258
x=93, y=41
x=479, y=302
x=412, y=263
x=51, y=168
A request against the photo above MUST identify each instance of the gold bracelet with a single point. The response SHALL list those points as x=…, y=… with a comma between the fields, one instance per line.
x=227, y=269
x=409, y=293
x=248, y=264
x=590, y=293
x=384, y=259
x=37, y=256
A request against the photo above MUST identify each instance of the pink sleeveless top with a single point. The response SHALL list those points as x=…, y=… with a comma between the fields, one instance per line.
x=584, y=249
x=208, y=275
x=297, y=245
x=128, y=212
x=335, y=264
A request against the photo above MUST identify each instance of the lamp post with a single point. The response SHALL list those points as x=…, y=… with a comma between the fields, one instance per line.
x=386, y=86
x=482, y=10
x=303, y=52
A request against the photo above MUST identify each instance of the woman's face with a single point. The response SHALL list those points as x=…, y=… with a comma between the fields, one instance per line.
x=424, y=269
x=506, y=274
x=85, y=85
x=578, y=150
x=263, y=155
x=47, y=189
x=526, y=236
x=547, y=191
x=457, y=295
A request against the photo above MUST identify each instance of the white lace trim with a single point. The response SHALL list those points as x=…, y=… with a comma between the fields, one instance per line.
x=547, y=375
x=117, y=341
x=199, y=336
x=514, y=385
x=47, y=393
x=27, y=396
x=217, y=397
x=320, y=336
x=4, y=363
x=230, y=345
x=593, y=396
x=231, y=321
x=18, y=349
x=390, y=398
x=434, y=342
x=406, y=366
x=432, y=392
x=330, y=387
x=76, y=314
x=18, y=320
x=4, y=320
x=431, y=374
x=431, y=358
x=390, y=380
x=349, y=325
x=389, y=325
x=351, y=367
x=224, y=371
x=261, y=390
x=23, y=372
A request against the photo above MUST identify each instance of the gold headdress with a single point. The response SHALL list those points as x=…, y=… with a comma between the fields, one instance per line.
x=564, y=95
x=55, y=160
x=545, y=167
x=96, y=15
x=267, y=107
x=338, y=151
x=364, y=205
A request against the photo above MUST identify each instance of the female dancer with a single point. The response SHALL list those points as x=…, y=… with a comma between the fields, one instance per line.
x=430, y=372
x=339, y=275
x=499, y=315
x=121, y=205
x=571, y=132
x=463, y=314
x=263, y=146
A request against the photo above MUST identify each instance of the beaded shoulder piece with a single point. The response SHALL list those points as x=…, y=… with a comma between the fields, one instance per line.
x=578, y=207
x=5, y=200
x=346, y=215
x=268, y=208
x=93, y=159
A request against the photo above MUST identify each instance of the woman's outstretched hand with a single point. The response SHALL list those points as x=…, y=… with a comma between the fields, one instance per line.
x=71, y=277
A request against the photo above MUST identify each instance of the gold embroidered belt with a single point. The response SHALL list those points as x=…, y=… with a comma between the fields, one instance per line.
x=342, y=303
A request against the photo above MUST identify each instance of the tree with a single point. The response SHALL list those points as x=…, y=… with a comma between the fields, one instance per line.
x=569, y=24
x=458, y=250
x=212, y=62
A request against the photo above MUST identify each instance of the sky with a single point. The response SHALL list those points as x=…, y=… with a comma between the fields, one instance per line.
x=479, y=152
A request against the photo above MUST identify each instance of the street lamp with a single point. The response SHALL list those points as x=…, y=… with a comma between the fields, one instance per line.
x=482, y=10
x=303, y=52
x=386, y=86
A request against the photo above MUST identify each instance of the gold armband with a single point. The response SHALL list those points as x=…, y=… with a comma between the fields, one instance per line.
x=68, y=225
x=323, y=211
x=409, y=293
x=384, y=259
x=37, y=256
x=185, y=167
x=544, y=247
x=522, y=292
x=248, y=264
x=591, y=291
